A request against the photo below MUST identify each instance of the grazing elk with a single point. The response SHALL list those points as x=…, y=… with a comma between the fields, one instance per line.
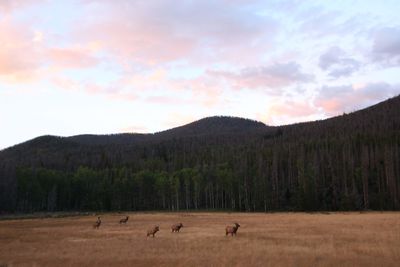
x=124, y=220
x=176, y=227
x=97, y=224
x=232, y=229
x=153, y=231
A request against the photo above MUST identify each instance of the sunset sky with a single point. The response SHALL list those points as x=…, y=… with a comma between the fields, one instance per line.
x=71, y=67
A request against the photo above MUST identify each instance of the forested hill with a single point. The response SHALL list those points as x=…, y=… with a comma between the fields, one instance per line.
x=217, y=125
x=349, y=162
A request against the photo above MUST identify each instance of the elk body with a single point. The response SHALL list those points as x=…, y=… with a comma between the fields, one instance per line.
x=97, y=224
x=232, y=229
x=176, y=227
x=153, y=231
x=124, y=220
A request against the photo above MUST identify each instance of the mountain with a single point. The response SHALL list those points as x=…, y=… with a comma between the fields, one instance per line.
x=343, y=163
x=217, y=125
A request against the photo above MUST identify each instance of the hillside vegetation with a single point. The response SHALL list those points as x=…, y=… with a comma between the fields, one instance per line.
x=350, y=162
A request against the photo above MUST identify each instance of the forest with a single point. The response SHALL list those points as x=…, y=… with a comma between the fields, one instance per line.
x=349, y=162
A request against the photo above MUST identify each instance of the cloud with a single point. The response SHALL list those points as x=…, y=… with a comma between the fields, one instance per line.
x=319, y=21
x=8, y=6
x=94, y=88
x=335, y=100
x=329, y=101
x=337, y=63
x=273, y=76
x=72, y=58
x=386, y=46
x=152, y=87
x=154, y=32
x=25, y=56
x=286, y=111
x=20, y=54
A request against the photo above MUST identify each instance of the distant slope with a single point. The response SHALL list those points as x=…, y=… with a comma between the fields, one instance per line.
x=375, y=120
x=218, y=125
x=208, y=126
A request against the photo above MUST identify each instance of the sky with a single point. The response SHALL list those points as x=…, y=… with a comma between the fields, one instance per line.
x=70, y=67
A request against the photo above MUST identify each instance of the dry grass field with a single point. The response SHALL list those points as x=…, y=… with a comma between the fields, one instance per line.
x=278, y=239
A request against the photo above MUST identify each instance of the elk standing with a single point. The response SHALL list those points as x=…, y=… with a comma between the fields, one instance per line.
x=153, y=231
x=124, y=220
x=97, y=224
x=176, y=227
x=232, y=229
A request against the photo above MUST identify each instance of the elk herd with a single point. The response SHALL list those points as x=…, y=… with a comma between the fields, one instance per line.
x=175, y=228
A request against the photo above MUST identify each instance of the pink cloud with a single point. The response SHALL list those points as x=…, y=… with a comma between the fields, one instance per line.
x=25, y=56
x=20, y=55
x=335, y=100
x=288, y=111
x=72, y=58
x=153, y=87
x=293, y=109
x=152, y=32
x=330, y=101
x=7, y=6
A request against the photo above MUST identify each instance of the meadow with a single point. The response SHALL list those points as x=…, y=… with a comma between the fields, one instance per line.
x=272, y=239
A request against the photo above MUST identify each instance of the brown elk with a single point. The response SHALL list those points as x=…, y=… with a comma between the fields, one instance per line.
x=232, y=229
x=176, y=227
x=153, y=230
x=124, y=220
x=97, y=224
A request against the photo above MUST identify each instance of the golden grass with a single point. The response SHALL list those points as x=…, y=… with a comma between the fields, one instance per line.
x=278, y=239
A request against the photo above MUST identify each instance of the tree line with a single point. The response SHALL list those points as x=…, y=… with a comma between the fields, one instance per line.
x=326, y=176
